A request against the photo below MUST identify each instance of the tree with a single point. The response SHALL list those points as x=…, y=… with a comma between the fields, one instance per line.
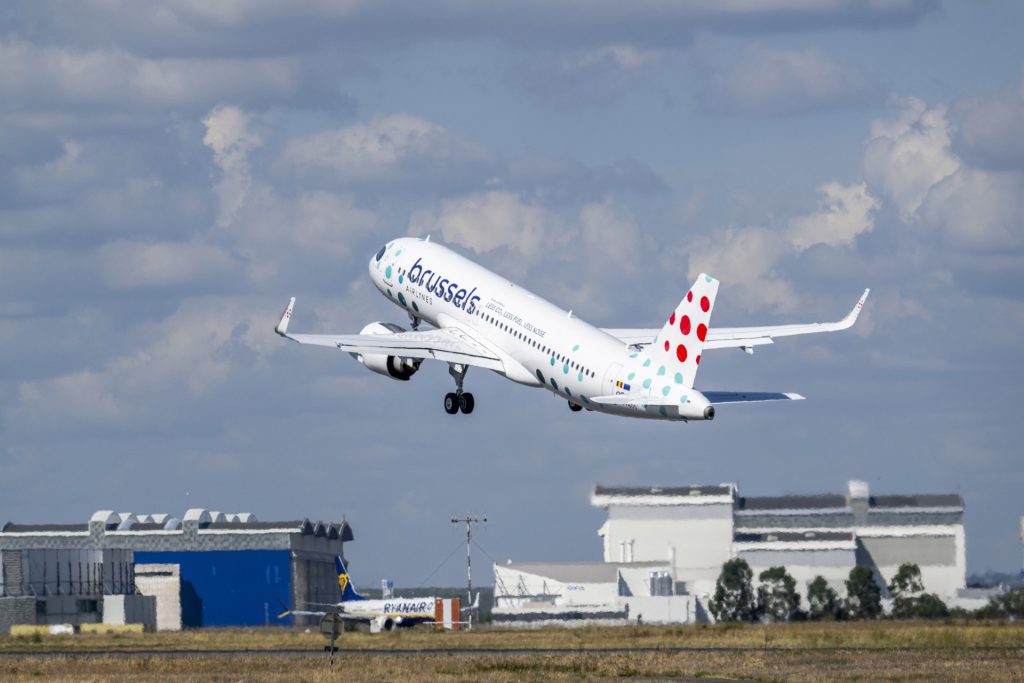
x=863, y=596
x=905, y=588
x=777, y=599
x=822, y=601
x=909, y=599
x=734, y=595
x=1004, y=606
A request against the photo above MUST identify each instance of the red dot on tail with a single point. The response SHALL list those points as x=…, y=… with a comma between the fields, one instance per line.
x=666, y=345
x=704, y=304
x=702, y=331
x=681, y=353
x=689, y=296
x=672, y=318
x=684, y=324
x=697, y=359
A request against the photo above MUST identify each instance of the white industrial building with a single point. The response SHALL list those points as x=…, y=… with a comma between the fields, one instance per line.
x=685, y=534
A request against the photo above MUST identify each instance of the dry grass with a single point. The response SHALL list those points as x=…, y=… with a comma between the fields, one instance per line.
x=880, y=651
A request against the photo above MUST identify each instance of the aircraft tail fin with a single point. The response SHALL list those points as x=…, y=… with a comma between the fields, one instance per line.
x=347, y=591
x=675, y=353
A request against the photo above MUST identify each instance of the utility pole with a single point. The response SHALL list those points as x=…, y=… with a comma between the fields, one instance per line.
x=469, y=522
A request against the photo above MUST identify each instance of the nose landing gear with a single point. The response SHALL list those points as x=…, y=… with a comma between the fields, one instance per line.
x=458, y=399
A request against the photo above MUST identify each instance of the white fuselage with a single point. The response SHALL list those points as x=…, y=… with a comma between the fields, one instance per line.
x=540, y=344
x=403, y=611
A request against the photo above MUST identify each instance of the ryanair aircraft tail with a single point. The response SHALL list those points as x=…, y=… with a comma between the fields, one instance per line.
x=347, y=591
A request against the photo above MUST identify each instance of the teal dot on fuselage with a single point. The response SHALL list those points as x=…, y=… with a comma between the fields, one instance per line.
x=540, y=377
x=401, y=279
x=631, y=376
x=633, y=355
x=387, y=272
x=398, y=253
x=554, y=383
x=665, y=390
x=415, y=307
x=565, y=369
x=647, y=363
x=401, y=298
x=682, y=399
x=580, y=377
x=679, y=378
x=567, y=392
x=576, y=348
x=661, y=371
x=707, y=278
x=647, y=384
x=552, y=361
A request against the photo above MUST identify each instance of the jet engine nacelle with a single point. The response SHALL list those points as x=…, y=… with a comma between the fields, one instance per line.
x=389, y=366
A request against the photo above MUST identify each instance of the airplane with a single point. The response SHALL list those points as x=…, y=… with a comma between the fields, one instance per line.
x=482, y=320
x=383, y=615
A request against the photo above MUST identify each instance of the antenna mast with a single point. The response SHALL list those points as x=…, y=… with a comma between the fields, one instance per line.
x=469, y=522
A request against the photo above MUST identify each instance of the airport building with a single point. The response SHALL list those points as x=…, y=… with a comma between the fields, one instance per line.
x=687, y=533
x=205, y=568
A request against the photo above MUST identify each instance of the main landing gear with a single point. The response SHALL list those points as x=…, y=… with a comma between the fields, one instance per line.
x=575, y=407
x=459, y=399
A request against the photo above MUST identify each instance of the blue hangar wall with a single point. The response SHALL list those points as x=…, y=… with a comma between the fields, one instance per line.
x=229, y=587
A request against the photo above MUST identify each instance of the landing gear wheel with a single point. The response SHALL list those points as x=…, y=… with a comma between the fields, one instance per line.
x=466, y=403
x=451, y=403
x=575, y=407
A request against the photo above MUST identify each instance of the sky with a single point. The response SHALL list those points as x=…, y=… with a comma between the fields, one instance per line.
x=172, y=172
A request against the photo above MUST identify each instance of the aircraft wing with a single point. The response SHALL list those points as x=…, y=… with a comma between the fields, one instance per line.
x=451, y=345
x=745, y=338
x=308, y=613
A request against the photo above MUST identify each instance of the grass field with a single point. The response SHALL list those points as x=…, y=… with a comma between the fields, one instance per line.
x=974, y=651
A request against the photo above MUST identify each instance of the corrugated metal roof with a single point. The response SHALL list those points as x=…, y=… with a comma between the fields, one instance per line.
x=822, y=501
x=720, y=490
x=919, y=500
x=11, y=527
x=792, y=536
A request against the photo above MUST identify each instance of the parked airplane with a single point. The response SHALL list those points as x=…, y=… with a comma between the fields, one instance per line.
x=483, y=320
x=386, y=614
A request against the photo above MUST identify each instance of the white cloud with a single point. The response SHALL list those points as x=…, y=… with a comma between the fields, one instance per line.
x=33, y=76
x=989, y=131
x=746, y=257
x=906, y=156
x=591, y=77
x=490, y=220
x=846, y=211
x=229, y=135
x=189, y=353
x=978, y=209
x=786, y=82
x=910, y=161
x=384, y=148
x=127, y=264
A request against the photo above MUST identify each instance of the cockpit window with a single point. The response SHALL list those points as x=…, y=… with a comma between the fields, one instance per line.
x=380, y=254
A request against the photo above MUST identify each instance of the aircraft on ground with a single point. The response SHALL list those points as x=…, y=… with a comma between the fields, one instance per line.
x=482, y=320
x=386, y=615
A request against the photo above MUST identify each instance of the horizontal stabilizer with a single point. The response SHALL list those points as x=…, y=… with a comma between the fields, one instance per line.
x=749, y=396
